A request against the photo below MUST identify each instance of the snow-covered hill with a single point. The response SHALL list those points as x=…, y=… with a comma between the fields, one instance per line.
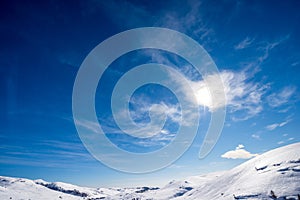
x=277, y=170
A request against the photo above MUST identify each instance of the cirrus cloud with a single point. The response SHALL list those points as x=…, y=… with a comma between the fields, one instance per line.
x=281, y=98
x=242, y=94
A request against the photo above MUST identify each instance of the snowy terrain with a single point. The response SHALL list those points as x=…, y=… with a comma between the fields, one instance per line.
x=277, y=170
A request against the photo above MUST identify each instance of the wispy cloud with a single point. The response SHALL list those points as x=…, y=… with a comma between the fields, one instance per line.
x=255, y=136
x=188, y=19
x=268, y=46
x=241, y=93
x=263, y=49
x=142, y=106
x=244, y=96
x=47, y=153
x=62, y=145
x=148, y=117
x=284, y=141
x=158, y=140
x=238, y=153
x=244, y=43
x=90, y=125
x=295, y=64
x=285, y=110
x=190, y=22
x=175, y=166
x=282, y=97
x=272, y=127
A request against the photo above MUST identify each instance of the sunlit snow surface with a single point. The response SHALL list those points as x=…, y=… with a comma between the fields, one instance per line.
x=277, y=170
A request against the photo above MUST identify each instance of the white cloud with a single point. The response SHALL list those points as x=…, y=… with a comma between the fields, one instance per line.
x=286, y=139
x=280, y=142
x=203, y=93
x=143, y=106
x=190, y=21
x=164, y=131
x=161, y=139
x=244, y=43
x=241, y=93
x=90, y=125
x=264, y=49
x=285, y=110
x=148, y=129
x=272, y=127
x=282, y=97
x=238, y=153
x=269, y=46
x=174, y=166
x=295, y=64
x=255, y=136
x=149, y=118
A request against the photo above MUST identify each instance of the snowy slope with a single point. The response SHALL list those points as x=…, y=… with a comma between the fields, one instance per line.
x=25, y=189
x=176, y=189
x=277, y=170
x=17, y=188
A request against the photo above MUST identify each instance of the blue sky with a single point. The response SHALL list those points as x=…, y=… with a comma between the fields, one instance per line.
x=254, y=44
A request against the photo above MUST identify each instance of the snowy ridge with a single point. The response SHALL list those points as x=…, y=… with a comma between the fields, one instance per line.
x=277, y=170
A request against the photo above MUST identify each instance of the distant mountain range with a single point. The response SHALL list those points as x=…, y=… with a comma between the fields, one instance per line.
x=272, y=175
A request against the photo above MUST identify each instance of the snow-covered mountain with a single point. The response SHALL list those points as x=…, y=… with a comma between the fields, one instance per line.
x=272, y=175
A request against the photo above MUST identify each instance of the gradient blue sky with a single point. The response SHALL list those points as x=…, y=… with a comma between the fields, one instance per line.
x=255, y=45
